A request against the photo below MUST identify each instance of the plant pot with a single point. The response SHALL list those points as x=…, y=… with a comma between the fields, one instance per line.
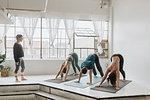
x=4, y=73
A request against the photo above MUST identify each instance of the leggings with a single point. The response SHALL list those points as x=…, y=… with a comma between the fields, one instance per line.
x=21, y=63
x=99, y=68
x=75, y=62
x=121, y=64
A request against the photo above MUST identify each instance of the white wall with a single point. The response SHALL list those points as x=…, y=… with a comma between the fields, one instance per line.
x=45, y=67
x=131, y=29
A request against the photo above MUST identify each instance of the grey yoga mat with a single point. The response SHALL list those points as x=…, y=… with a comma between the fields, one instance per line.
x=58, y=80
x=111, y=89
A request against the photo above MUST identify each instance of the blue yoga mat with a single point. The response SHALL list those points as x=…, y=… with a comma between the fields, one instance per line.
x=83, y=82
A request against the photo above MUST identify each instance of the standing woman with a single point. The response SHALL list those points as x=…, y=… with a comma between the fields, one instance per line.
x=114, y=69
x=18, y=57
x=65, y=67
x=88, y=64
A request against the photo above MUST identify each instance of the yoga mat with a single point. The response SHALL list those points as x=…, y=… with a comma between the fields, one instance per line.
x=58, y=80
x=109, y=88
x=83, y=82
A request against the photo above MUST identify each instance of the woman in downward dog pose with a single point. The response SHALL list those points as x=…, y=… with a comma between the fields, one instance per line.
x=65, y=67
x=88, y=64
x=114, y=69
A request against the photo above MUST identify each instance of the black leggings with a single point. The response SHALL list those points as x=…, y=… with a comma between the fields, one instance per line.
x=121, y=64
x=21, y=63
x=99, y=68
x=75, y=62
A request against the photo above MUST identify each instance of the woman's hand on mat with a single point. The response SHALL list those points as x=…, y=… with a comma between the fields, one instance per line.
x=117, y=88
x=54, y=78
x=77, y=81
x=98, y=85
x=63, y=80
x=89, y=83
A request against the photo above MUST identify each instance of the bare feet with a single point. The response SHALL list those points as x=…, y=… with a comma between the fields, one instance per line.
x=117, y=88
x=17, y=80
x=124, y=80
x=74, y=74
x=89, y=83
x=77, y=81
x=23, y=79
x=63, y=80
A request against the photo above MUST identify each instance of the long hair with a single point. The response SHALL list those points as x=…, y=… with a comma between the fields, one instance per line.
x=112, y=78
x=64, y=70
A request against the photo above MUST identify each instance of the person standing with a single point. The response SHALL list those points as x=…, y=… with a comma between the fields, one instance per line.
x=18, y=57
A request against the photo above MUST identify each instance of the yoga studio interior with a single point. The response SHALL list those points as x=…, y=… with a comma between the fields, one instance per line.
x=74, y=50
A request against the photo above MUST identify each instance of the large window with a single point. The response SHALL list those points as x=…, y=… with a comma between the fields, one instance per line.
x=45, y=38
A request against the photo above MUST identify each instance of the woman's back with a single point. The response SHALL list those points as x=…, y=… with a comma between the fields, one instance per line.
x=115, y=63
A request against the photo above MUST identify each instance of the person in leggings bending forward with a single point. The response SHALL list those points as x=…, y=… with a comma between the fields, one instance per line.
x=65, y=67
x=120, y=64
x=88, y=64
x=113, y=71
x=18, y=57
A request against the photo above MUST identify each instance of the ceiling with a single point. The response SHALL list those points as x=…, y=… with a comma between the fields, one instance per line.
x=72, y=8
x=24, y=4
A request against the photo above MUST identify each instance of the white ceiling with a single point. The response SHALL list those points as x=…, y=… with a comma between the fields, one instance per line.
x=74, y=6
x=24, y=4
x=59, y=7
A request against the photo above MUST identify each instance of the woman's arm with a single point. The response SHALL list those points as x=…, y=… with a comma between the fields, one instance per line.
x=90, y=73
x=117, y=77
x=79, y=76
x=67, y=70
x=60, y=70
x=107, y=71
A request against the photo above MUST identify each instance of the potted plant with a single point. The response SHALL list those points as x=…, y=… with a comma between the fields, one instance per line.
x=3, y=69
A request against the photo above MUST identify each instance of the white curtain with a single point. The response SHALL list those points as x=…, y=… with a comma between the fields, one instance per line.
x=69, y=28
x=53, y=25
x=2, y=46
x=99, y=30
x=32, y=22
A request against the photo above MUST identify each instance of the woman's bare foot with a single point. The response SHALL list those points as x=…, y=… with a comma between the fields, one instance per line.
x=22, y=78
x=74, y=74
x=17, y=80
